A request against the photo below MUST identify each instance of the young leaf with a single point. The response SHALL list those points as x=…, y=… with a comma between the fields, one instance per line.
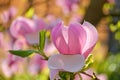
x=22, y=53
x=66, y=75
x=88, y=63
x=42, y=39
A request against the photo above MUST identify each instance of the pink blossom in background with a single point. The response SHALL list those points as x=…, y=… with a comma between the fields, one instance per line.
x=36, y=64
x=11, y=64
x=70, y=3
x=5, y=16
x=74, y=43
x=27, y=28
x=8, y=14
x=20, y=43
x=50, y=49
x=67, y=5
x=21, y=26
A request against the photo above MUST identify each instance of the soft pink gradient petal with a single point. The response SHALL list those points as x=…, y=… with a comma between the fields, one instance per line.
x=50, y=49
x=12, y=11
x=55, y=62
x=36, y=64
x=58, y=39
x=92, y=37
x=76, y=38
x=19, y=44
x=39, y=24
x=54, y=74
x=6, y=69
x=71, y=63
x=102, y=77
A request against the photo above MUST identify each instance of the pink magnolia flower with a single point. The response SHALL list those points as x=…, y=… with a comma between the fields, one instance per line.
x=74, y=43
x=29, y=29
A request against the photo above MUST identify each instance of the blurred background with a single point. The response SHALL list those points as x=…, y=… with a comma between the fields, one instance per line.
x=103, y=14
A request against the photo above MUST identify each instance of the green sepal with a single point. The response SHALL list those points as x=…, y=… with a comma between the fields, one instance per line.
x=22, y=53
x=42, y=39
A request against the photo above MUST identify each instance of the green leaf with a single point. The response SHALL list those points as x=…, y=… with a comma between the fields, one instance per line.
x=88, y=62
x=118, y=24
x=22, y=53
x=66, y=75
x=113, y=28
x=42, y=39
x=117, y=35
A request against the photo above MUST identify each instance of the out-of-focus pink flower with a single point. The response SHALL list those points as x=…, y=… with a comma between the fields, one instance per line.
x=67, y=5
x=50, y=49
x=21, y=26
x=70, y=3
x=102, y=77
x=11, y=65
x=74, y=43
x=36, y=64
x=19, y=44
x=8, y=14
x=27, y=28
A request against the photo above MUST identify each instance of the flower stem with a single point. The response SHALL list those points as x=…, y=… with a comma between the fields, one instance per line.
x=94, y=77
x=80, y=76
x=87, y=74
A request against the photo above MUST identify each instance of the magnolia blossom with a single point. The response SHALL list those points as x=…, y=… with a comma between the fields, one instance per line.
x=74, y=43
x=29, y=29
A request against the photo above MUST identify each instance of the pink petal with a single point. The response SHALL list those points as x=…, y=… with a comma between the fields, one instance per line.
x=54, y=74
x=76, y=39
x=39, y=24
x=50, y=49
x=55, y=62
x=36, y=64
x=6, y=69
x=12, y=11
x=58, y=39
x=92, y=37
x=21, y=26
x=71, y=63
x=19, y=44
x=5, y=16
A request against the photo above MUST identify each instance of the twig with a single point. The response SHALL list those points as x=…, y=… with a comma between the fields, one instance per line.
x=87, y=74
